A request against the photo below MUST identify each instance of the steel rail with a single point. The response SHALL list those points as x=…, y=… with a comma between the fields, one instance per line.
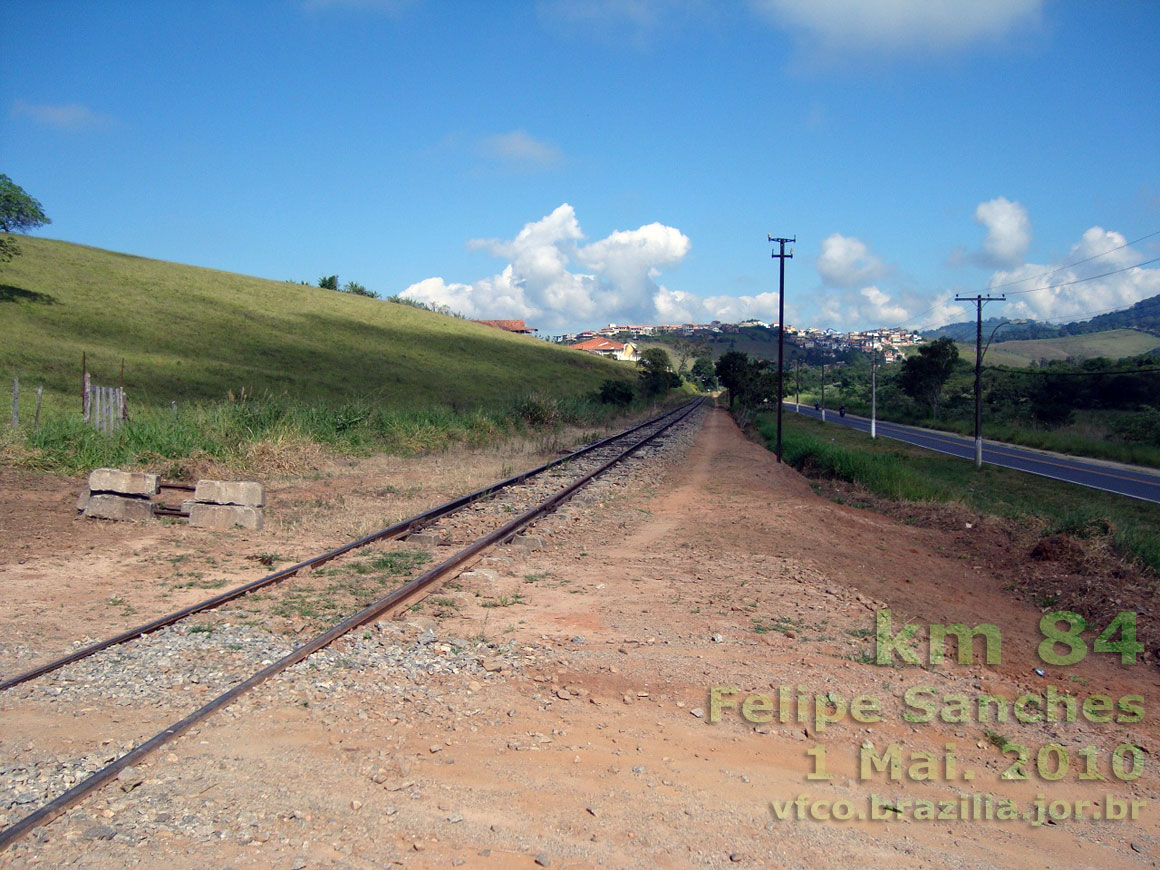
x=59, y=805
x=397, y=530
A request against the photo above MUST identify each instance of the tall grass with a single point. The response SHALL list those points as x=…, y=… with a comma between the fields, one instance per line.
x=1077, y=439
x=885, y=474
x=906, y=473
x=249, y=433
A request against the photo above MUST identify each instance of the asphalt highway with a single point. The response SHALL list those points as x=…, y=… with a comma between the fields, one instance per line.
x=1131, y=481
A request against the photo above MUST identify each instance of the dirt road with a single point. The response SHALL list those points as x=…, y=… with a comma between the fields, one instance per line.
x=561, y=716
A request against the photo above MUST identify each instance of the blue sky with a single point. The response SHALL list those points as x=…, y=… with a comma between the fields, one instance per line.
x=584, y=162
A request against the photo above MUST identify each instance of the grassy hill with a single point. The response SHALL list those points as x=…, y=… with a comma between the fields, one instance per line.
x=187, y=334
x=1113, y=344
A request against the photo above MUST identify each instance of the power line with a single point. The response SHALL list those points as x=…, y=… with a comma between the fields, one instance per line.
x=1142, y=304
x=1071, y=374
x=915, y=318
x=1089, y=278
x=1076, y=263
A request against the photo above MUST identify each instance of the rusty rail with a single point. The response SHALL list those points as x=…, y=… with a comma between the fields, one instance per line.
x=397, y=596
x=395, y=531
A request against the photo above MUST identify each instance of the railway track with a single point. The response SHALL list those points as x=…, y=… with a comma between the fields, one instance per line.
x=526, y=497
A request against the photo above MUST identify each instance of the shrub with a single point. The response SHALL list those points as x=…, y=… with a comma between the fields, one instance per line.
x=615, y=393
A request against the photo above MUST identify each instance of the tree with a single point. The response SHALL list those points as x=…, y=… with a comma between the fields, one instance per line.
x=655, y=375
x=732, y=370
x=687, y=349
x=358, y=289
x=19, y=213
x=924, y=376
x=328, y=282
x=704, y=374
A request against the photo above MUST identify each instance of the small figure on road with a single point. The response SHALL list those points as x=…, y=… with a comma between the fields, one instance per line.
x=841, y=410
x=817, y=406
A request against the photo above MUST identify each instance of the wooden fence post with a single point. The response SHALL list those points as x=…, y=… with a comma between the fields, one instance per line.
x=36, y=419
x=87, y=399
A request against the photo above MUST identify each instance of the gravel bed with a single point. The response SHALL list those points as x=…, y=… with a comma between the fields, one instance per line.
x=383, y=659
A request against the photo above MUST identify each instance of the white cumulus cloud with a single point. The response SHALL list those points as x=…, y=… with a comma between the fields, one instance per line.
x=846, y=261
x=1008, y=231
x=869, y=306
x=898, y=25
x=555, y=280
x=553, y=277
x=1061, y=293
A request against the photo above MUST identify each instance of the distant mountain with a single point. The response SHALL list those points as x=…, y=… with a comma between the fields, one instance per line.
x=1144, y=315
x=1021, y=330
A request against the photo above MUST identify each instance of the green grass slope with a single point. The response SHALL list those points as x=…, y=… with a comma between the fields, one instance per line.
x=1114, y=344
x=188, y=334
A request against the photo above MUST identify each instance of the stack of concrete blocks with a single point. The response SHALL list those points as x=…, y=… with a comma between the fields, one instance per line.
x=226, y=504
x=120, y=495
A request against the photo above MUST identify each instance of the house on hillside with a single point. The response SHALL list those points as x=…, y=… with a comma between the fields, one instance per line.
x=517, y=326
x=608, y=348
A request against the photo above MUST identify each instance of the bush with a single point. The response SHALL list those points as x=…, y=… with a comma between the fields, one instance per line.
x=615, y=393
x=1143, y=426
x=538, y=410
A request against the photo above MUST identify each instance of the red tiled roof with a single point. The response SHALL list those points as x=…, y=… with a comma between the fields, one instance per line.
x=599, y=344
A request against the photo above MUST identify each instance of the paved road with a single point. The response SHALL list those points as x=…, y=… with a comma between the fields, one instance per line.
x=1131, y=481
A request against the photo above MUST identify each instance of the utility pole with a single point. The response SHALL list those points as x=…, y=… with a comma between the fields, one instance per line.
x=979, y=300
x=797, y=390
x=781, y=256
x=873, y=392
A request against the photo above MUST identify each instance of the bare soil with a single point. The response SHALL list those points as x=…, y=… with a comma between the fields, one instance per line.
x=585, y=739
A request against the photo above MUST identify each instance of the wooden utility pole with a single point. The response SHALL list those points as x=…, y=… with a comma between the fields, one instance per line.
x=979, y=300
x=781, y=256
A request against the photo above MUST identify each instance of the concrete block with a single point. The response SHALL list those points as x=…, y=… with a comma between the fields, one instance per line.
x=124, y=482
x=115, y=507
x=225, y=516
x=241, y=492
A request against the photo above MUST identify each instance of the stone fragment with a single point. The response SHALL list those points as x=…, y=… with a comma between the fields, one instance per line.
x=129, y=779
x=115, y=507
x=124, y=482
x=247, y=493
x=528, y=542
x=222, y=516
x=83, y=499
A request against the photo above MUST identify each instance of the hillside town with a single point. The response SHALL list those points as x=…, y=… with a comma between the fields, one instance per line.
x=620, y=341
